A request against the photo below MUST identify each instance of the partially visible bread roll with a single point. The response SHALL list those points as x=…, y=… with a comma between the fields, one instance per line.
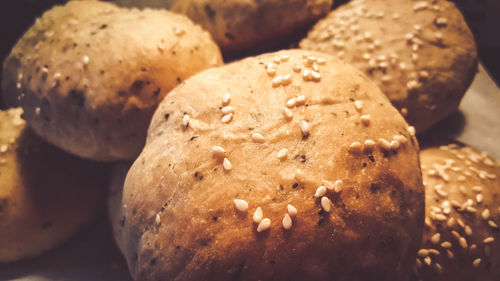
x=420, y=53
x=239, y=26
x=253, y=171
x=46, y=195
x=461, y=236
x=90, y=85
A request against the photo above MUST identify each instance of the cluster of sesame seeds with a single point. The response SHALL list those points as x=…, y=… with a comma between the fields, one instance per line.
x=220, y=153
x=227, y=110
x=369, y=145
x=454, y=214
x=263, y=223
x=310, y=70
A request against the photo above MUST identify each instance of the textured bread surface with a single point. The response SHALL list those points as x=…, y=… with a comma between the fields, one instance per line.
x=461, y=234
x=90, y=85
x=420, y=53
x=241, y=25
x=46, y=195
x=178, y=217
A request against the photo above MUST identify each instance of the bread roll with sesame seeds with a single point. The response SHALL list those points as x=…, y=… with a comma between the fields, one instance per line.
x=420, y=53
x=46, y=195
x=239, y=26
x=90, y=86
x=461, y=236
x=186, y=216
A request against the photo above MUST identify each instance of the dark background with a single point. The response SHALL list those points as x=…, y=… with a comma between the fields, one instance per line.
x=483, y=17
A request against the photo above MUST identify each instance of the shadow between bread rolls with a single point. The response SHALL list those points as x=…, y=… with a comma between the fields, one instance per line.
x=89, y=74
x=46, y=195
x=277, y=167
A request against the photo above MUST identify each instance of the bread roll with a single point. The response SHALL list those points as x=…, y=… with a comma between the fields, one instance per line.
x=420, y=53
x=91, y=85
x=241, y=25
x=225, y=187
x=461, y=235
x=46, y=195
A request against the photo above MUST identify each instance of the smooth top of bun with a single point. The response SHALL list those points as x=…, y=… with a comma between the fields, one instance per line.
x=179, y=216
x=46, y=195
x=461, y=236
x=90, y=85
x=241, y=25
x=420, y=53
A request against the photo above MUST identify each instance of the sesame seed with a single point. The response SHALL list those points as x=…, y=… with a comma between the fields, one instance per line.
x=292, y=211
x=264, y=225
x=485, y=214
x=440, y=22
x=287, y=222
x=282, y=154
x=434, y=252
x=277, y=81
x=320, y=191
x=288, y=113
x=305, y=128
x=227, y=118
x=287, y=79
x=355, y=147
x=227, y=164
x=297, y=68
x=394, y=145
x=411, y=130
x=476, y=262
x=468, y=230
x=472, y=247
x=241, y=205
x=418, y=263
x=277, y=60
x=446, y=245
x=423, y=253
x=158, y=219
x=18, y=85
x=316, y=76
x=321, y=61
x=450, y=254
x=301, y=99
x=471, y=209
x=258, y=215
x=227, y=109
x=306, y=74
x=369, y=145
x=488, y=240
x=428, y=260
x=338, y=186
x=178, y=31
x=328, y=184
x=185, y=121
x=440, y=217
x=479, y=198
x=256, y=137
x=358, y=105
x=384, y=144
x=291, y=102
x=57, y=75
x=326, y=204
x=412, y=85
x=438, y=268
x=462, y=242
x=492, y=224
x=401, y=139
x=435, y=238
x=315, y=67
x=218, y=151
x=4, y=148
x=226, y=99
x=365, y=120
x=85, y=60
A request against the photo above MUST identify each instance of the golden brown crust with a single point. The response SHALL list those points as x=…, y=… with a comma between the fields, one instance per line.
x=461, y=236
x=420, y=53
x=180, y=220
x=240, y=25
x=90, y=86
x=46, y=195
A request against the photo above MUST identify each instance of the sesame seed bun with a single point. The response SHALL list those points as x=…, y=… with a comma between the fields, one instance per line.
x=90, y=85
x=420, y=53
x=241, y=25
x=256, y=133
x=46, y=195
x=461, y=236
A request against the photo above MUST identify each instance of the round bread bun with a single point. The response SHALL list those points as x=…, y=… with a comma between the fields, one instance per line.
x=90, y=86
x=420, y=53
x=238, y=135
x=46, y=195
x=461, y=236
x=241, y=25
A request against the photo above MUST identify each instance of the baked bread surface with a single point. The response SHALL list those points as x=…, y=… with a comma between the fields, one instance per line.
x=421, y=54
x=178, y=217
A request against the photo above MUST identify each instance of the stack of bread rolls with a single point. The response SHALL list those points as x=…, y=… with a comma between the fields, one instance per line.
x=296, y=164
